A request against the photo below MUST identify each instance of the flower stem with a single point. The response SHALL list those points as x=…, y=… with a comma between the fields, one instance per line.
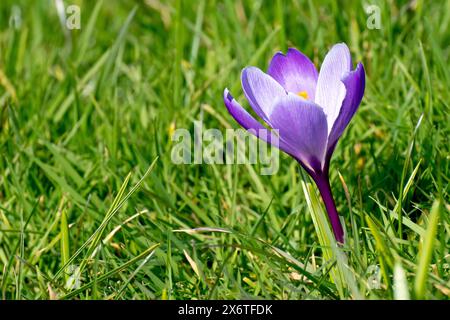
x=323, y=184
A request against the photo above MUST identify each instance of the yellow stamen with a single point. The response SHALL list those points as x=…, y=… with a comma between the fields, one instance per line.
x=303, y=94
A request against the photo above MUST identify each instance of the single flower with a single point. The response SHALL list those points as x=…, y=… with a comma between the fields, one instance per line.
x=310, y=110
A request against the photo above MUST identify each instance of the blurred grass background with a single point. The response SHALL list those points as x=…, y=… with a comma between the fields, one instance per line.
x=81, y=109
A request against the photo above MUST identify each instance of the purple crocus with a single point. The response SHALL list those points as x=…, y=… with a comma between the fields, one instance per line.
x=310, y=110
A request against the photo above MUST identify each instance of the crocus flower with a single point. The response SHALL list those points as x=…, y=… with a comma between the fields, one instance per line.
x=310, y=110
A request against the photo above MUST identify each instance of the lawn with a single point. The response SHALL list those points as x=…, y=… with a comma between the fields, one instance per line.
x=92, y=205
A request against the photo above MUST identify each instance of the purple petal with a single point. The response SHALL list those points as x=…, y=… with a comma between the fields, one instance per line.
x=294, y=71
x=261, y=90
x=251, y=124
x=303, y=125
x=330, y=90
x=355, y=82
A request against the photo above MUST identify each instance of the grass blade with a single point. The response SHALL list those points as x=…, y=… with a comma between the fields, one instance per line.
x=426, y=251
x=65, y=253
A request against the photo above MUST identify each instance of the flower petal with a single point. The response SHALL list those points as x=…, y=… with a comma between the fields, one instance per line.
x=294, y=71
x=261, y=90
x=303, y=125
x=355, y=82
x=330, y=90
x=251, y=124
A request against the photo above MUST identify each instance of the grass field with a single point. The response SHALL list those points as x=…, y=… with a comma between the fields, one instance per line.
x=92, y=207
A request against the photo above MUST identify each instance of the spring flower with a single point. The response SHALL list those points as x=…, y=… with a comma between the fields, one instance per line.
x=310, y=110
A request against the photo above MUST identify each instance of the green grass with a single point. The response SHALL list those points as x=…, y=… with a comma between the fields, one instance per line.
x=85, y=115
